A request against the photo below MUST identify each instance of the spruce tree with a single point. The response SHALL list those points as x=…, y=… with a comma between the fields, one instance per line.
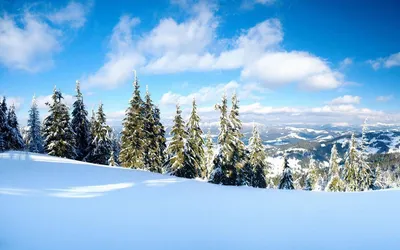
x=258, y=160
x=14, y=139
x=209, y=155
x=287, y=179
x=175, y=164
x=151, y=160
x=378, y=182
x=101, y=144
x=308, y=182
x=161, y=142
x=351, y=166
x=34, y=137
x=80, y=125
x=111, y=161
x=238, y=160
x=335, y=183
x=224, y=172
x=57, y=131
x=115, y=145
x=194, y=152
x=131, y=155
x=365, y=175
x=4, y=128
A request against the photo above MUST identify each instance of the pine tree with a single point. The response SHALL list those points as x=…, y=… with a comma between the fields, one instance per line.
x=111, y=161
x=351, y=166
x=194, y=152
x=80, y=125
x=224, y=172
x=258, y=159
x=238, y=159
x=131, y=155
x=14, y=138
x=320, y=184
x=378, y=182
x=115, y=145
x=34, y=137
x=335, y=183
x=152, y=161
x=57, y=131
x=308, y=182
x=175, y=164
x=365, y=175
x=161, y=142
x=101, y=144
x=209, y=155
x=313, y=174
x=287, y=179
x=4, y=128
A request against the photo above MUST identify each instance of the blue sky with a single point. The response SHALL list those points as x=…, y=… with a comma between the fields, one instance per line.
x=289, y=61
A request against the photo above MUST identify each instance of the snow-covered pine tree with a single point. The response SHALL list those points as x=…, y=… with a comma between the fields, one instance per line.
x=287, y=179
x=80, y=124
x=3, y=126
x=132, y=143
x=258, y=160
x=151, y=160
x=175, y=163
x=351, y=166
x=378, y=182
x=194, y=152
x=335, y=183
x=111, y=161
x=101, y=144
x=208, y=155
x=365, y=175
x=161, y=142
x=116, y=146
x=224, y=172
x=92, y=129
x=57, y=131
x=34, y=137
x=308, y=182
x=320, y=184
x=239, y=157
x=14, y=138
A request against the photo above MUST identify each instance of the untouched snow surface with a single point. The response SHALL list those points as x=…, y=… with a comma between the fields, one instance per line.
x=48, y=203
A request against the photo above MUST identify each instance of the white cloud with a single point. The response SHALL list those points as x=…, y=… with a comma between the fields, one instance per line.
x=42, y=100
x=249, y=4
x=320, y=115
x=346, y=99
x=29, y=41
x=16, y=101
x=74, y=15
x=387, y=62
x=203, y=95
x=121, y=59
x=29, y=46
x=193, y=45
x=346, y=62
x=384, y=98
x=279, y=68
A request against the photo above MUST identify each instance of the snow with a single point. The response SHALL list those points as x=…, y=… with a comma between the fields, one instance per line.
x=49, y=203
x=276, y=164
x=293, y=135
x=309, y=130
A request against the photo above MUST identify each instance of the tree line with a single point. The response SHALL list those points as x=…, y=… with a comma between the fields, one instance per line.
x=189, y=154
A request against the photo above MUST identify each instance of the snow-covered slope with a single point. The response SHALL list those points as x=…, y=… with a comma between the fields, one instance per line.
x=48, y=203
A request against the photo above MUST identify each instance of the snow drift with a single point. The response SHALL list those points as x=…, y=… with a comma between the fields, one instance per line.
x=49, y=203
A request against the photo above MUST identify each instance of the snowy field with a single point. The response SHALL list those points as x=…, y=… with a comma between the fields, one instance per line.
x=47, y=203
